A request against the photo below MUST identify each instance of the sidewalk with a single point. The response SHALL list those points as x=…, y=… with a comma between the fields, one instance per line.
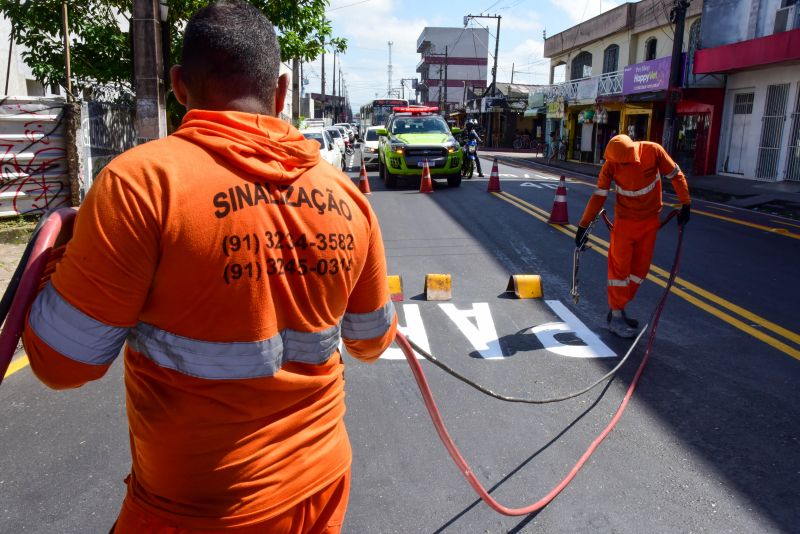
x=776, y=198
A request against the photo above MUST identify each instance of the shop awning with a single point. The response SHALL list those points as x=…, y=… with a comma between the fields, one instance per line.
x=776, y=48
x=534, y=112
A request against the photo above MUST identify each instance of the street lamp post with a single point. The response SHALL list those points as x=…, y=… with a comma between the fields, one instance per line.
x=494, y=68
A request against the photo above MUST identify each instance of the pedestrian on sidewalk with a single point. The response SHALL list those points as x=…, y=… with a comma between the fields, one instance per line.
x=554, y=142
x=233, y=261
x=636, y=169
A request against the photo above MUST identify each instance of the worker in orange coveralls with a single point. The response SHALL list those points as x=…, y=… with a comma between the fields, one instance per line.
x=636, y=167
x=231, y=261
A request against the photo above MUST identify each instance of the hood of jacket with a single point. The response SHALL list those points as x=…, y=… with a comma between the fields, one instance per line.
x=622, y=149
x=259, y=145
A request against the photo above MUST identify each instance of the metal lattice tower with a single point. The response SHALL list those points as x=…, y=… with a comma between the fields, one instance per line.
x=389, y=83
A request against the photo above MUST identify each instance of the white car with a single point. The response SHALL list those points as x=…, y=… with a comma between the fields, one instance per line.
x=336, y=133
x=328, y=149
x=369, y=148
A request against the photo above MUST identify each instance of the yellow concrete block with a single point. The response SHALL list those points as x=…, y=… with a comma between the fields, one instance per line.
x=438, y=287
x=525, y=286
x=395, y=287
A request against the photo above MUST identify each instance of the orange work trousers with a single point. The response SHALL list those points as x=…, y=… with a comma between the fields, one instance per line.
x=632, y=244
x=322, y=513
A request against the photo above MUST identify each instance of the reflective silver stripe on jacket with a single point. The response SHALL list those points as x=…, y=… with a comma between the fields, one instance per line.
x=638, y=192
x=635, y=279
x=230, y=360
x=70, y=332
x=618, y=283
x=368, y=325
x=601, y=192
x=674, y=172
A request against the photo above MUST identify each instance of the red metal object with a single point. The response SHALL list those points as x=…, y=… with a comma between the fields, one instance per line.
x=420, y=109
x=776, y=48
x=57, y=229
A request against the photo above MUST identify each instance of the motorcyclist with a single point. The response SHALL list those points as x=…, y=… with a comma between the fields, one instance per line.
x=473, y=134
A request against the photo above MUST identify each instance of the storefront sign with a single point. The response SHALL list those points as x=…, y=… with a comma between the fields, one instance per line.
x=647, y=76
x=555, y=110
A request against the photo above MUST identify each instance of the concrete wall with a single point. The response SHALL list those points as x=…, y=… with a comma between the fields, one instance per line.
x=731, y=21
x=33, y=164
x=460, y=42
x=631, y=47
x=756, y=82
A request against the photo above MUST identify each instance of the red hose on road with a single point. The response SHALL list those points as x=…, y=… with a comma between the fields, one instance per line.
x=465, y=469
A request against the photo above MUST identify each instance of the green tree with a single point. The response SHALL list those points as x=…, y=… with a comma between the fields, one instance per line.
x=101, y=45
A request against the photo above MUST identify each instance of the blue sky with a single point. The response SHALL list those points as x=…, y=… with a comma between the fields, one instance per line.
x=369, y=24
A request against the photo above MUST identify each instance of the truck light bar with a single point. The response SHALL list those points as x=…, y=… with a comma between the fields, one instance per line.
x=420, y=109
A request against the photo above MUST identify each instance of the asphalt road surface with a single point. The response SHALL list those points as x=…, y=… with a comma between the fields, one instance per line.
x=710, y=441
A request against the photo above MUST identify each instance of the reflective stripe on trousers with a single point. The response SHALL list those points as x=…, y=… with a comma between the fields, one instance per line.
x=629, y=257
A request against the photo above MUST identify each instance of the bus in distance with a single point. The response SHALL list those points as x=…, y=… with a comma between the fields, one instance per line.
x=377, y=112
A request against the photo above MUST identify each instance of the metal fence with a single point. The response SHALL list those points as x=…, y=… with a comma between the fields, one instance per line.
x=33, y=163
x=772, y=124
x=793, y=147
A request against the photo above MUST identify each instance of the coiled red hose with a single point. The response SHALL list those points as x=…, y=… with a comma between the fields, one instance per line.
x=57, y=224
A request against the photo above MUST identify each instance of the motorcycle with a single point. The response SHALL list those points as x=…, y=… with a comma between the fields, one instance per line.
x=468, y=161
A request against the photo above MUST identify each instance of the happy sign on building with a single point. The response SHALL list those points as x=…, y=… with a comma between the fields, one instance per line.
x=646, y=76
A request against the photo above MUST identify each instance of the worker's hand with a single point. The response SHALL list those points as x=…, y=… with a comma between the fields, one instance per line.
x=683, y=216
x=581, y=237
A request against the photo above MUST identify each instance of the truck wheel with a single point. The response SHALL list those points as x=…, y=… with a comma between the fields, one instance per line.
x=391, y=179
x=381, y=170
x=454, y=180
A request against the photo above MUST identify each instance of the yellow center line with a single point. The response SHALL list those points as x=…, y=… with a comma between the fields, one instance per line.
x=681, y=291
x=16, y=365
x=786, y=223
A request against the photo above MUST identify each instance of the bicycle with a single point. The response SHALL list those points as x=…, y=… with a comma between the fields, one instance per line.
x=522, y=141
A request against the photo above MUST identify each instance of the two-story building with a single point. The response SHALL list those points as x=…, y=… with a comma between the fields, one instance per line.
x=454, y=61
x=615, y=69
x=756, y=45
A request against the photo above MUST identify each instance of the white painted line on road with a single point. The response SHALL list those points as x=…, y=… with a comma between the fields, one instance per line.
x=526, y=175
x=546, y=333
x=414, y=330
x=477, y=326
x=530, y=184
x=483, y=337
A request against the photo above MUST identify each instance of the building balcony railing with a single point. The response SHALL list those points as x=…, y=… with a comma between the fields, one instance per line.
x=606, y=84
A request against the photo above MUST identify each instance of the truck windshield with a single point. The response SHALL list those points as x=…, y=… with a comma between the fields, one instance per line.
x=411, y=125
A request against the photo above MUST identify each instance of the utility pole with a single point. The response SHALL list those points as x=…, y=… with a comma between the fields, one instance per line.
x=512, y=73
x=494, y=69
x=677, y=16
x=444, y=104
x=389, y=83
x=323, y=83
x=333, y=84
x=295, y=90
x=67, y=61
x=148, y=69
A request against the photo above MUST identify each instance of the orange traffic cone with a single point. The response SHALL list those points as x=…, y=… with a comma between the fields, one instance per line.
x=426, y=185
x=494, y=179
x=559, y=215
x=363, y=181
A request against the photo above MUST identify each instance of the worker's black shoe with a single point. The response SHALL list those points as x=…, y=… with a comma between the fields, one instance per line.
x=619, y=327
x=480, y=175
x=633, y=323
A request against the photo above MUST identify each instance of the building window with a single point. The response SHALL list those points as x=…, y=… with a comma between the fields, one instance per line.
x=610, y=59
x=743, y=103
x=650, y=48
x=581, y=66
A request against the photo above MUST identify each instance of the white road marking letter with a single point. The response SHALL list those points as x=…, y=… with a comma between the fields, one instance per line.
x=483, y=337
x=530, y=184
x=414, y=330
x=546, y=333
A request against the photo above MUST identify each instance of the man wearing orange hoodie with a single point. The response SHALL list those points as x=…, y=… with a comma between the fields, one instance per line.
x=231, y=262
x=636, y=167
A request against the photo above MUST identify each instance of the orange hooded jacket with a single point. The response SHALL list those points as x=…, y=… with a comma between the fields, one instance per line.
x=636, y=169
x=231, y=261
